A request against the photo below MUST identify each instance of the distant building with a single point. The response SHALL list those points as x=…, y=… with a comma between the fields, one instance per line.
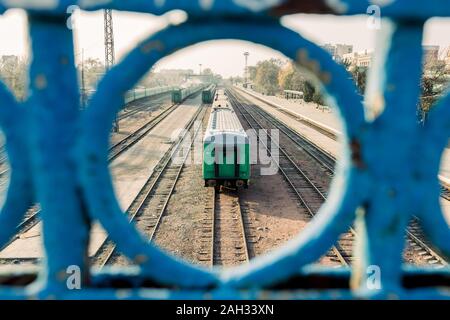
x=185, y=72
x=337, y=51
x=10, y=60
x=358, y=59
x=431, y=53
x=203, y=78
x=341, y=50
x=364, y=59
x=447, y=59
x=174, y=76
x=331, y=49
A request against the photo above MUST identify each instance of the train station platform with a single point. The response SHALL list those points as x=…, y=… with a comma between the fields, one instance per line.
x=327, y=119
x=130, y=171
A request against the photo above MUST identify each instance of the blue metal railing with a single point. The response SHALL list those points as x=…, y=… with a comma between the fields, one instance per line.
x=58, y=156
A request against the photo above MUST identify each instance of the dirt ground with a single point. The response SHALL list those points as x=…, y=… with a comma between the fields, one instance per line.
x=183, y=225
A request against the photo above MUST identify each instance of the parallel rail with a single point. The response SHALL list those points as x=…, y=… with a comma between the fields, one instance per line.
x=326, y=131
x=207, y=227
x=233, y=249
x=141, y=105
x=414, y=235
x=445, y=192
x=309, y=122
x=3, y=160
x=32, y=218
x=130, y=140
x=137, y=135
x=306, y=191
x=160, y=185
x=223, y=233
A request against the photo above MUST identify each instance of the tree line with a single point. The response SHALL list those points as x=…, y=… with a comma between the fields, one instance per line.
x=273, y=76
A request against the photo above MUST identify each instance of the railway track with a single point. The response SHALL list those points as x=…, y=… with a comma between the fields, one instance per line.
x=206, y=229
x=344, y=246
x=223, y=215
x=149, y=206
x=224, y=228
x=130, y=140
x=116, y=148
x=31, y=219
x=420, y=246
x=3, y=156
x=445, y=190
x=32, y=216
x=415, y=237
x=326, y=160
x=3, y=172
x=445, y=193
x=142, y=105
x=325, y=132
x=229, y=235
x=3, y=161
x=309, y=195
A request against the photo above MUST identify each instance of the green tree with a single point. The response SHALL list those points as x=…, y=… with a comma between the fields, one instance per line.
x=236, y=80
x=294, y=80
x=297, y=81
x=13, y=72
x=207, y=71
x=308, y=91
x=318, y=98
x=433, y=82
x=252, y=73
x=360, y=76
x=285, y=77
x=94, y=70
x=266, y=79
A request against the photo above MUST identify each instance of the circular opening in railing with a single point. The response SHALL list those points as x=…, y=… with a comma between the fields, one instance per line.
x=172, y=194
x=223, y=152
x=263, y=128
x=151, y=170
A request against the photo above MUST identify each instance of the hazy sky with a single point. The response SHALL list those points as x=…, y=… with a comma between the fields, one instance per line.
x=129, y=28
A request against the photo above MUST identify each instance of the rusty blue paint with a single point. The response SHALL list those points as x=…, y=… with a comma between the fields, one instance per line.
x=58, y=156
x=397, y=9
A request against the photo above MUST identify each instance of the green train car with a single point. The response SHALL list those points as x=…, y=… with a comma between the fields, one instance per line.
x=179, y=94
x=226, y=148
x=208, y=94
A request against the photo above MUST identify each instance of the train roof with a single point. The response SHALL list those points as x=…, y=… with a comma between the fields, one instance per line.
x=221, y=100
x=223, y=120
x=211, y=87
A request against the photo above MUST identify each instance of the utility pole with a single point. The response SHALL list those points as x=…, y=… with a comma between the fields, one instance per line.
x=246, y=54
x=200, y=65
x=109, y=40
x=109, y=50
